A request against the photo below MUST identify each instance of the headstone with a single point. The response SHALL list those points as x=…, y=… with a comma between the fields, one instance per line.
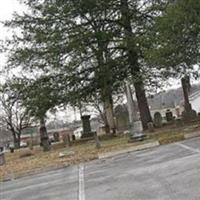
x=1, y=148
x=56, y=136
x=122, y=118
x=136, y=130
x=30, y=144
x=150, y=127
x=198, y=115
x=86, y=126
x=12, y=149
x=189, y=115
x=97, y=142
x=66, y=140
x=178, y=112
x=73, y=137
x=2, y=158
x=169, y=116
x=157, y=119
x=179, y=122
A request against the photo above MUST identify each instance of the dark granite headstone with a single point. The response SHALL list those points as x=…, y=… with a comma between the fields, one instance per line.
x=169, y=116
x=158, y=120
x=86, y=126
x=73, y=137
x=189, y=115
x=2, y=158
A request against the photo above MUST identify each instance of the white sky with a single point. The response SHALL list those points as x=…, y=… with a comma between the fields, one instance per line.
x=7, y=8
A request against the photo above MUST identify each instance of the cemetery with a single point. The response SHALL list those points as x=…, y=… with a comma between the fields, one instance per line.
x=68, y=151
x=101, y=95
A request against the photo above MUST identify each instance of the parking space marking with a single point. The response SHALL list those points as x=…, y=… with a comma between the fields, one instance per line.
x=188, y=148
x=81, y=183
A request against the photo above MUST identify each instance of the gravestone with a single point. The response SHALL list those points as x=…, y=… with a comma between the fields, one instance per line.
x=12, y=149
x=73, y=137
x=2, y=158
x=96, y=139
x=169, y=116
x=179, y=122
x=198, y=115
x=66, y=140
x=1, y=148
x=157, y=119
x=178, y=112
x=86, y=126
x=150, y=127
x=56, y=136
x=122, y=118
x=189, y=115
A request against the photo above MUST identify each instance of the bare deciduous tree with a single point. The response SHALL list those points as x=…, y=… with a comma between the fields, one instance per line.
x=13, y=115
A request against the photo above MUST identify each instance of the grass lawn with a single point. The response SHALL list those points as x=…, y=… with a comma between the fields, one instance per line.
x=18, y=163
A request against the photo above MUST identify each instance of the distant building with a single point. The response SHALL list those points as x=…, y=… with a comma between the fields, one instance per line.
x=195, y=101
x=5, y=137
x=173, y=100
x=60, y=131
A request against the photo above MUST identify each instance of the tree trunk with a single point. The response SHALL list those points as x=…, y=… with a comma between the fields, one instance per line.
x=44, y=139
x=109, y=114
x=106, y=93
x=105, y=120
x=143, y=106
x=134, y=66
x=16, y=139
x=16, y=142
x=185, y=86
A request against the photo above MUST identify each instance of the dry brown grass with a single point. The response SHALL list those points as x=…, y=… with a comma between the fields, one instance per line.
x=24, y=161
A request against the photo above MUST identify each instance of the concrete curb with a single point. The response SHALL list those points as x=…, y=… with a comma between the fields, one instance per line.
x=192, y=135
x=131, y=149
x=35, y=172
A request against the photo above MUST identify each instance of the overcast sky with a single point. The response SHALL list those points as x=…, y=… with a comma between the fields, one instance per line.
x=6, y=11
x=8, y=7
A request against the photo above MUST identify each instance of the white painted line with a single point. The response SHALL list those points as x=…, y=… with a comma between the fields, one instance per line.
x=81, y=183
x=188, y=148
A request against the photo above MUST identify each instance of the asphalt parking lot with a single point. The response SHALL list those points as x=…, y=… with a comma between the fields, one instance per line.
x=169, y=172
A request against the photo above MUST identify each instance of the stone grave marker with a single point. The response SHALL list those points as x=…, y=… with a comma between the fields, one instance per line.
x=150, y=127
x=2, y=158
x=157, y=119
x=169, y=116
x=56, y=136
x=86, y=126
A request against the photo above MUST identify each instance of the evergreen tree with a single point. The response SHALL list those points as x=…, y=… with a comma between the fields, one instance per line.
x=175, y=42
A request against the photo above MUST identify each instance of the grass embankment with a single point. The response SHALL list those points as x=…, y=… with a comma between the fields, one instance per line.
x=18, y=163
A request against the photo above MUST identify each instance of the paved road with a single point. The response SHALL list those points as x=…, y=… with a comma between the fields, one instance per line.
x=170, y=172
